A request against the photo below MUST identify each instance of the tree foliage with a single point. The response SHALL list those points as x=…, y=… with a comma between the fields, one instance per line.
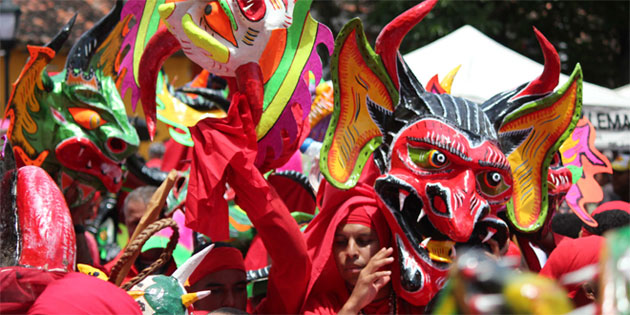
x=593, y=33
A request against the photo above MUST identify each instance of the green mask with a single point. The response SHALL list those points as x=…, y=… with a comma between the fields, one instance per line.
x=74, y=122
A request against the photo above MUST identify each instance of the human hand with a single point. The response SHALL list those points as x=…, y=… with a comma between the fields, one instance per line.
x=370, y=281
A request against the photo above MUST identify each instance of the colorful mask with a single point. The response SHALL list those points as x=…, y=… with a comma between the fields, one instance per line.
x=533, y=122
x=176, y=109
x=74, y=122
x=35, y=224
x=442, y=171
x=161, y=294
x=580, y=155
x=270, y=44
x=480, y=285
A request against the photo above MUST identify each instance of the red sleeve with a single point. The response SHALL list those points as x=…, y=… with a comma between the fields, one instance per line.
x=291, y=266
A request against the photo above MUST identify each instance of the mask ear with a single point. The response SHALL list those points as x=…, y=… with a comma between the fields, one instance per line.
x=550, y=121
x=23, y=103
x=352, y=136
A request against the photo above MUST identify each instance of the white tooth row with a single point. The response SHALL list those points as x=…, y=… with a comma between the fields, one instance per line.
x=559, y=180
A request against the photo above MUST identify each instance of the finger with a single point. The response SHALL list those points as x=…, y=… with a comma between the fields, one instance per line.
x=373, y=277
x=381, y=282
x=384, y=252
x=376, y=264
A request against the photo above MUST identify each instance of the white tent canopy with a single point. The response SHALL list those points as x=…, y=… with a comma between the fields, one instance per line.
x=488, y=68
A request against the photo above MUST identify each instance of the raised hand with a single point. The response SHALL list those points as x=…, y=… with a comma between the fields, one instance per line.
x=371, y=280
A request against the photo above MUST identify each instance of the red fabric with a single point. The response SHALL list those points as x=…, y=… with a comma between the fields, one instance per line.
x=569, y=256
x=219, y=258
x=176, y=156
x=77, y=293
x=513, y=251
x=289, y=274
x=219, y=143
x=20, y=287
x=295, y=196
x=256, y=257
x=327, y=291
x=225, y=151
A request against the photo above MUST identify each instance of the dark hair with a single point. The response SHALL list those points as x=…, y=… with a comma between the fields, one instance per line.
x=567, y=224
x=608, y=220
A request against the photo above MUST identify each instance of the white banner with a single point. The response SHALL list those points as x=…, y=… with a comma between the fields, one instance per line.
x=612, y=125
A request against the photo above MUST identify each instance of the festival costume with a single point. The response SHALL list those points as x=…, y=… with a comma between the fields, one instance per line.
x=77, y=293
x=571, y=255
x=327, y=290
x=220, y=258
x=447, y=165
x=74, y=124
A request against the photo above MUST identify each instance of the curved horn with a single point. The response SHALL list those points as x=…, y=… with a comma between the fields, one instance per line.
x=81, y=52
x=210, y=98
x=184, y=271
x=61, y=37
x=391, y=36
x=548, y=80
x=161, y=46
x=149, y=176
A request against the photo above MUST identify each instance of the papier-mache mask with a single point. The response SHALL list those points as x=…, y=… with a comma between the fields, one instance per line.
x=74, y=122
x=533, y=121
x=160, y=294
x=442, y=170
x=222, y=36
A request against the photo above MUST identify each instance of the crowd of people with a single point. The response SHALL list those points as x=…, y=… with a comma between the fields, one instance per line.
x=409, y=200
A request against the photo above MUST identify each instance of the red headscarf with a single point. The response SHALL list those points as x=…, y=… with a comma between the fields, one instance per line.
x=219, y=258
x=327, y=290
x=77, y=293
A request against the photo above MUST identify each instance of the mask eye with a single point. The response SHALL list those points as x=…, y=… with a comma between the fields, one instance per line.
x=218, y=21
x=86, y=118
x=428, y=158
x=492, y=183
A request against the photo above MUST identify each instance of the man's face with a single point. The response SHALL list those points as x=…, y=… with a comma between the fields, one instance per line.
x=133, y=213
x=228, y=289
x=353, y=247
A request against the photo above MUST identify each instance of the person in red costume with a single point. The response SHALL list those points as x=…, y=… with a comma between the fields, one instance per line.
x=77, y=293
x=222, y=272
x=349, y=243
x=225, y=150
x=572, y=255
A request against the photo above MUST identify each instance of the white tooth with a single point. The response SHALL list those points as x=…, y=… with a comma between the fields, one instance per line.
x=425, y=242
x=490, y=233
x=421, y=215
x=453, y=253
x=401, y=200
x=89, y=164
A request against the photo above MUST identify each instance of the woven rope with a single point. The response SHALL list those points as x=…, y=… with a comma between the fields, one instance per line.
x=136, y=245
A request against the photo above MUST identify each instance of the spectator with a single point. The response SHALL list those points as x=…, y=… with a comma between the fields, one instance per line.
x=156, y=153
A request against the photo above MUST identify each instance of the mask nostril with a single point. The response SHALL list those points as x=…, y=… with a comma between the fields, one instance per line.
x=116, y=145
